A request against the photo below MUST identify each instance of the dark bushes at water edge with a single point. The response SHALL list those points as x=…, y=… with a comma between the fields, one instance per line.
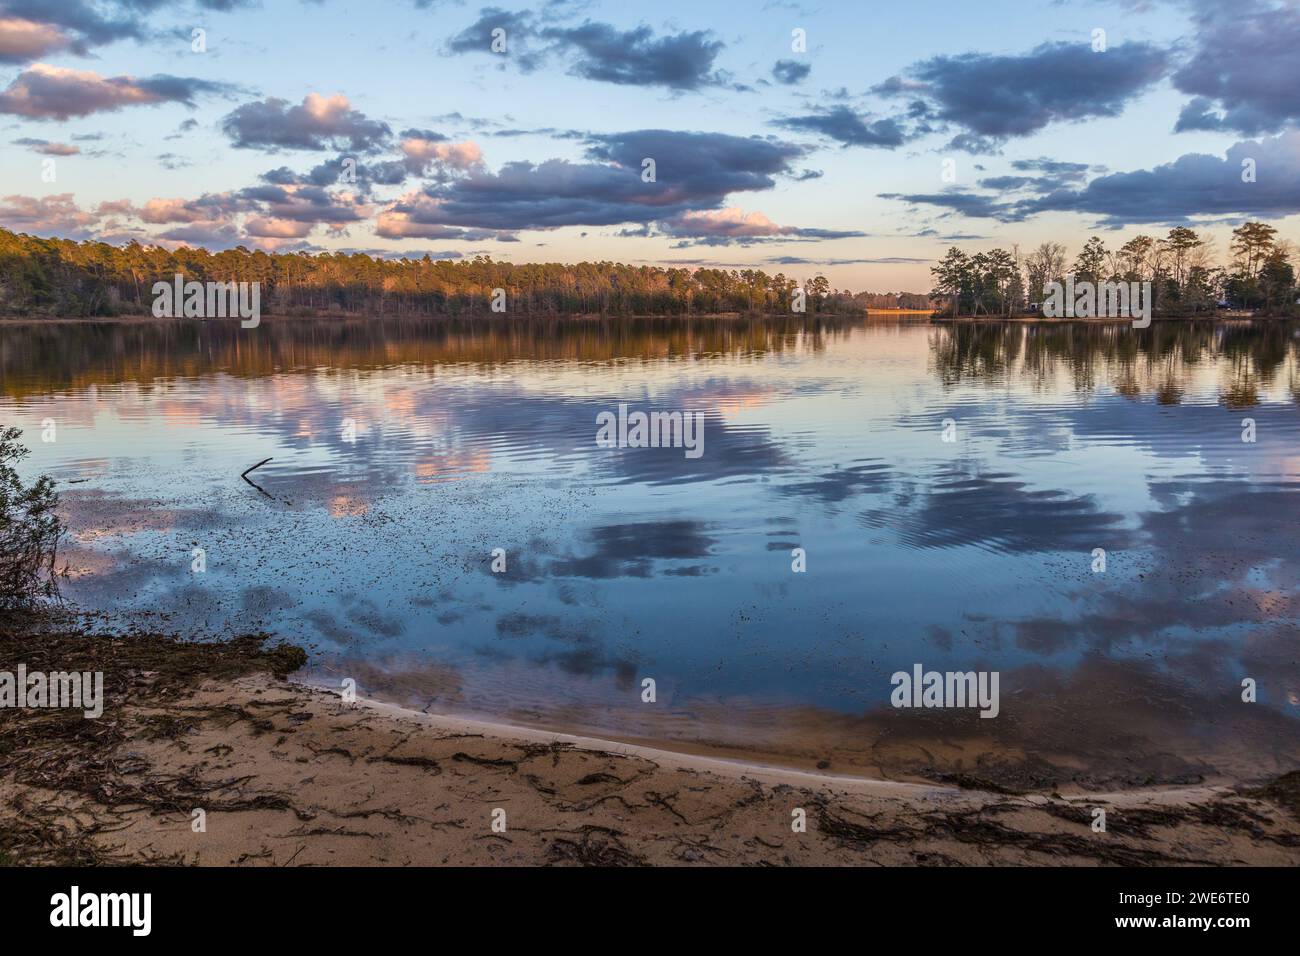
x=29, y=529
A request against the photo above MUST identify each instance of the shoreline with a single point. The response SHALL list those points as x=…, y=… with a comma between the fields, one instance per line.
x=922, y=315
x=682, y=759
x=486, y=315
x=290, y=774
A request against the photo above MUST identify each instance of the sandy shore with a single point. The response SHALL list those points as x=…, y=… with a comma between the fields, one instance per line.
x=287, y=774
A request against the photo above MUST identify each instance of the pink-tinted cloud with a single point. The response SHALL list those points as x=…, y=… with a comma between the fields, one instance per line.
x=46, y=215
x=48, y=148
x=22, y=41
x=55, y=92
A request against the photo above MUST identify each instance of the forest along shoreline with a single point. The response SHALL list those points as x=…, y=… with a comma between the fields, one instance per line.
x=209, y=754
x=1179, y=274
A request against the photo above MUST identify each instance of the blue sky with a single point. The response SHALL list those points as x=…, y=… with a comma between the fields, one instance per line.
x=832, y=162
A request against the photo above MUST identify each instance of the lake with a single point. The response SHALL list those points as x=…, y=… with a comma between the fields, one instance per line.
x=943, y=490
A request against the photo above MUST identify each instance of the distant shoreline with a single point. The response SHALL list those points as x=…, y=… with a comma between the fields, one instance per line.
x=1103, y=320
x=902, y=314
x=147, y=319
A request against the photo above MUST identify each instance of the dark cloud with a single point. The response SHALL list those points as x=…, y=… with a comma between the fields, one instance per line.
x=360, y=174
x=790, y=72
x=849, y=128
x=1060, y=169
x=1052, y=174
x=49, y=92
x=694, y=171
x=318, y=123
x=975, y=205
x=949, y=237
x=304, y=204
x=682, y=61
x=882, y=261
x=210, y=236
x=519, y=31
x=1194, y=185
x=975, y=144
x=997, y=97
x=1245, y=69
x=598, y=51
x=1008, y=183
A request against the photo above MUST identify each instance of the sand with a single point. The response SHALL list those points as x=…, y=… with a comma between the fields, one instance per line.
x=291, y=775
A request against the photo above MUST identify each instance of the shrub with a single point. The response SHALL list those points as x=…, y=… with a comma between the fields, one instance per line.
x=29, y=529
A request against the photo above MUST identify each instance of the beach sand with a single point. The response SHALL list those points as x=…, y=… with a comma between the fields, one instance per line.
x=287, y=774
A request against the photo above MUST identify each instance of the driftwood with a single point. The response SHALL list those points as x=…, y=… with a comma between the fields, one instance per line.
x=244, y=475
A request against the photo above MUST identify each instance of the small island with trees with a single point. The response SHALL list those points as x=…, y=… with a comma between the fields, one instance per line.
x=1259, y=278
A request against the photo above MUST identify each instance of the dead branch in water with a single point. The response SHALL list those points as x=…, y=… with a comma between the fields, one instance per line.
x=244, y=475
x=245, y=472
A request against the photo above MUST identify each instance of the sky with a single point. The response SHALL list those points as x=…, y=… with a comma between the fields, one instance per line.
x=857, y=140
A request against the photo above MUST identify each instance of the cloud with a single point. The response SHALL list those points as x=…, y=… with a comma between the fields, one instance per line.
x=849, y=128
x=1057, y=168
x=33, y=28
x=22, y=41
x=1194, y=185
x=974, y=205
x=1052, y=174
x=276, y=228
x=48, y=148
x=1245, y=69
x=682, y=61
x=698, y=164
x=885, y=260
x=210, y=235
x=598, y=51
x=311, y=204
x=518, y=30
x=46, y=215
x=734, y=226
x=693, y=171
x=790, y=72
x=52, y=92
x=998, y=97
x=208, y=207
x=318, y=123
x=422, y=150
x=418, y=216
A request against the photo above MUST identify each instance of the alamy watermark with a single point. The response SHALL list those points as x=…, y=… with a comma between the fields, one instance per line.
x=75, y=908
x=58, y=689
x=651, y=430
x=1086, y=300
x=922, y=688
x=208, y=300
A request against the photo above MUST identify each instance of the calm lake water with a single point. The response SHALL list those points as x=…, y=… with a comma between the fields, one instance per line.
x=404, y=452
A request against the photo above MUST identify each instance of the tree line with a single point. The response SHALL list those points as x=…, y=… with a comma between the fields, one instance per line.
x=1259, y=275
x=62, y=277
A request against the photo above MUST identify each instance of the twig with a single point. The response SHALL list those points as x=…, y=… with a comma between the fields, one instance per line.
x=244, y=475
